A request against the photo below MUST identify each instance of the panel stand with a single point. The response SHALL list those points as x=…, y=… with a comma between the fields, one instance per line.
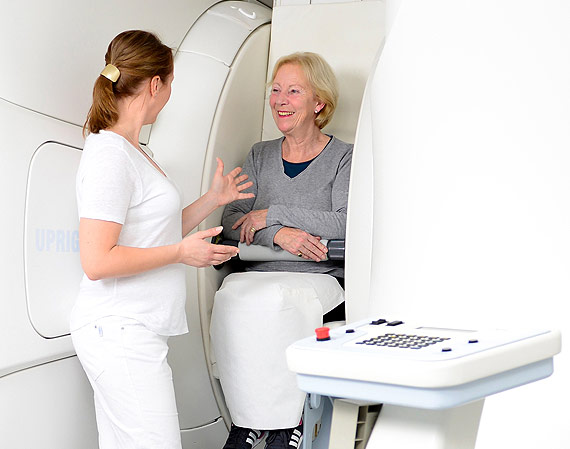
x=411, y=428
x=313, y=425
x=352, y=423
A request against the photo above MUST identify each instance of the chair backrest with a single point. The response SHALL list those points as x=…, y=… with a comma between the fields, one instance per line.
x=347, y=35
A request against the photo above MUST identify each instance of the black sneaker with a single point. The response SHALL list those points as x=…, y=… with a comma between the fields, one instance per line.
x=242, y=438
x=285, y=438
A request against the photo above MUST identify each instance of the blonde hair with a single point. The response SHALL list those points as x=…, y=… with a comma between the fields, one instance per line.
x=321, y=78
x=139, y=56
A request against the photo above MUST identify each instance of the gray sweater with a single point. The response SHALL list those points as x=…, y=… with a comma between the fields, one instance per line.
x=315, y=200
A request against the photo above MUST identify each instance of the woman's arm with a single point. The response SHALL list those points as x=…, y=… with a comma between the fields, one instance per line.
x=102, y=258
x=224, y=190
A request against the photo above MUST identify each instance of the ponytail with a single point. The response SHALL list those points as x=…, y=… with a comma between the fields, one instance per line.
x=138, y=56
x=103, y=112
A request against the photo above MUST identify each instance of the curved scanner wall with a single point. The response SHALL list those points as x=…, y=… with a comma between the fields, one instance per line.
x=53, y=52
x=466, y=127
x=215, y=111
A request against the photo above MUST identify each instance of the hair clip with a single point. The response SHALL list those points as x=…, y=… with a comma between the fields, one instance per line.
x=111, y=73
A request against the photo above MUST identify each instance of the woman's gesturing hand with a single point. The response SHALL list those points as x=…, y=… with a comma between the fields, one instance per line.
x=301, y=243
x=251, y=223
x=228, y=188
x=197, y=252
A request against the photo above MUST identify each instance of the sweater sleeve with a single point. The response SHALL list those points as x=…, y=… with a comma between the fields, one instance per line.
x=326, y=224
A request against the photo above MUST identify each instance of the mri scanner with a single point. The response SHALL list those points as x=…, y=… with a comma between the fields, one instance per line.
x=459, y=211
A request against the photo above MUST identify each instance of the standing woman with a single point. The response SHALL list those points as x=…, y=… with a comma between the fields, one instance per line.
x=131, y=298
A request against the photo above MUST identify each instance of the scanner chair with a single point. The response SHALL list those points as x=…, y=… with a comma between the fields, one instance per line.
x=231, y=105
x=351, y=73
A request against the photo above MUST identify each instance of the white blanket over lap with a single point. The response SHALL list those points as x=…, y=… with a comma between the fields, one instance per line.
x=256, y=315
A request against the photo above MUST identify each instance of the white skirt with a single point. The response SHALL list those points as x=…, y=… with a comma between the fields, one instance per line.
x=256, y=316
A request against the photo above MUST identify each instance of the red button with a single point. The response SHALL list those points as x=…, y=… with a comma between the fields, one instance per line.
x=322, y=333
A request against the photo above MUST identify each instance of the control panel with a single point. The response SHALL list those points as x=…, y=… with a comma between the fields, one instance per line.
x=393, y=361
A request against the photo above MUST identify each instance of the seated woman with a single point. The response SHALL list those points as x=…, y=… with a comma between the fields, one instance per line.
x=300, y=182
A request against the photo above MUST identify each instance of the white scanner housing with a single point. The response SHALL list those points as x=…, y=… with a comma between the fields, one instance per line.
x=458, y=211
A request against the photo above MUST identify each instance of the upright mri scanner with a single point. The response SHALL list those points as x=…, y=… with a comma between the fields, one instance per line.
x=459, y=211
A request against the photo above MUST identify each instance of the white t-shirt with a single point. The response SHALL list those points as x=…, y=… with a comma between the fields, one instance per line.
x=115, y=182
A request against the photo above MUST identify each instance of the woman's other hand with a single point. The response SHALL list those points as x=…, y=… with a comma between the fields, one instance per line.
x=301, y=243
x=229, y=188
x=251, y=223
x=197, y=252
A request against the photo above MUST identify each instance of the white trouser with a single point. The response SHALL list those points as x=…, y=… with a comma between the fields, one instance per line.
x=255, y=317
x=132, y=383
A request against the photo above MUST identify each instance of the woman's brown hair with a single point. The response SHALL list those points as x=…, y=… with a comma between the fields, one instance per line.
x=139, y=56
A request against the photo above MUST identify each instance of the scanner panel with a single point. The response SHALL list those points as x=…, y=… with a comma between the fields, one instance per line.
x=52, y=265
x=48, y=406
x=469, y=137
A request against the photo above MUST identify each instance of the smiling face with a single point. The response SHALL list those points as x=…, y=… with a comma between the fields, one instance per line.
x=293, y=102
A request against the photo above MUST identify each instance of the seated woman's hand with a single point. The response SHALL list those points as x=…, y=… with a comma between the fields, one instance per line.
x=197, y=252
x=229, y=188
x=251, y=223
x=301, y=243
